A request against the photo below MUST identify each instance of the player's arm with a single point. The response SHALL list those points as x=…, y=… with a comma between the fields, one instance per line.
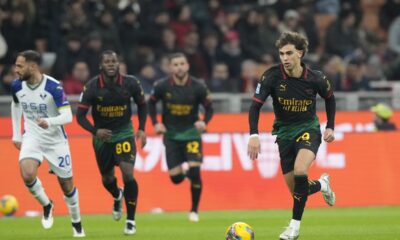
x=85, y=102
x=16, y=114
x=205, y=99
x=139, y=98
x=260, y=95
x=155, y=96
x=325, y=90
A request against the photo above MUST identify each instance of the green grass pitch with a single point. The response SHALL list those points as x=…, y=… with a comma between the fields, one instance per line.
x=373, y=223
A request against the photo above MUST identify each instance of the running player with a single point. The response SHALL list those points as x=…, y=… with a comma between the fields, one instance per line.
x=293, y=88
x=109, y=95
x=181, y=96
x=42, y=101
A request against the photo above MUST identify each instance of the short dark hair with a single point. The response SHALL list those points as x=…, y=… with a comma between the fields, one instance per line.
x=107, y=52
x=299, y=41
x=176, y=55
x=31, y=56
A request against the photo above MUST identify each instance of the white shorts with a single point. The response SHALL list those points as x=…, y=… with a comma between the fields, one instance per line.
x=58, y=155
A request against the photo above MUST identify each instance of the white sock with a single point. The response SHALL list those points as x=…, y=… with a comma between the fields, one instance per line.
x=73, y=206
x=131, y=221
x=324, y=186
x=294, y=224
x=37, y=190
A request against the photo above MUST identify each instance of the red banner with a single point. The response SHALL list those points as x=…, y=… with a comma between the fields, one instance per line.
x=363, y=166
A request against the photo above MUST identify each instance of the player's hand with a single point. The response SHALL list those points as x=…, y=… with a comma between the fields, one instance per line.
x=42, y=123
x=329, y=135
x=17, y=145
x=159, y=128
x=200, y=126
x=141, y=135
x=103, y=134
x=253, y=147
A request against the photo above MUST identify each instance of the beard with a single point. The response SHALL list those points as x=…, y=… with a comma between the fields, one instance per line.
x=25, y=77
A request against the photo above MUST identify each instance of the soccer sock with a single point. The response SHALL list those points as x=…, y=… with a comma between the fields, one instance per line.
x=37, y=190
x=313, y=186
x=112, y=187
x=72, y=201
x=195, y=187
x=299, y=196
x=131, y=190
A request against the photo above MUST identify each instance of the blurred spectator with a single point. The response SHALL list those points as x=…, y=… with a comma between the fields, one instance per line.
x=147, y=76
x=155, y=27
x=220, y=80
x=210, y=50
x=17, y=33
x=182, y=24
x=342, y=35
x=328, y=6
x=269, y=33
x=249, y=31
x=355, y=79
x=94, y=47
x=383, y=113
x=73, y=83
x=232, y=54
x=75, y=21
x=168, y=44
x=335, y=70
x=3, y=46
x=291, y=22
x=67, y=55
x=7, y=76
x=191, y=48
x=109, y=32
x=388, y=12
x=249, y=76
x=394, y=36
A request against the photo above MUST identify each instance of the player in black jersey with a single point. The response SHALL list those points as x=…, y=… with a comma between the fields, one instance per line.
x=293, y=88
x=109, y=95
x=181, y=96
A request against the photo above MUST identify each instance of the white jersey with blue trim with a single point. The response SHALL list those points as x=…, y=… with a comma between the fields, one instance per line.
x=41, y=101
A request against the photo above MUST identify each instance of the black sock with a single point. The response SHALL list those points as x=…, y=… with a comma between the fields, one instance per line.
x=299, y=196
x=112, y=187
x=195, y=187
x=131, y=190
x=313, y=187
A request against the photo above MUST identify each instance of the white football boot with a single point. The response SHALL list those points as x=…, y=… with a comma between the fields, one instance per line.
x=194, y=217
x=290, y=233
x=117, y=207
x=329, y=195
x=77, y=230
x=130, y=227
x=47, y=219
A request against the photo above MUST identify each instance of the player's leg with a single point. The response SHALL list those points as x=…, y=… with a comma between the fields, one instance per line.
x=60, y=162
x=71, y=198
x=125, y=154
x=194, y=156
x=175, y=156
x=30, y=159
x=105, y=162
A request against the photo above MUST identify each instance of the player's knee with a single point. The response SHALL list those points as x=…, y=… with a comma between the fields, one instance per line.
x=194, y=175
x=300, y=170
x=107, y=179
x=28, y=177
x=127, y=178
x=176, y=179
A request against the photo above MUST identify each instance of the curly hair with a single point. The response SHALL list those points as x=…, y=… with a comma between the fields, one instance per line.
x=299, y=41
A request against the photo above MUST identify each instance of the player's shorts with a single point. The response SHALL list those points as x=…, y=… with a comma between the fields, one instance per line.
x=288, y=149
x=110, y=154
x=178, y=152
x=58, y=155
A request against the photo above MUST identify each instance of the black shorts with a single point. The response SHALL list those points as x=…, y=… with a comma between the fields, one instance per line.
x=178, y=152
x=288, y=149
x=110, y=154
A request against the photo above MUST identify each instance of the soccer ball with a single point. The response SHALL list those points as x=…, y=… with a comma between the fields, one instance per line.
x=239, y=231
x=8, y=205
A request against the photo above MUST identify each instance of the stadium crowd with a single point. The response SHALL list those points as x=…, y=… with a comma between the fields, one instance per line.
x=229, y=43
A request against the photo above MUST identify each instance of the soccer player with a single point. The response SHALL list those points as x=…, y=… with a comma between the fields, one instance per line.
x=293, y=88
x=181, y=95
x=109, y=95
x=42, y=101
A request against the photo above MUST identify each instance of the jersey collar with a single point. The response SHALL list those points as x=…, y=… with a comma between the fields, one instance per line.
x=304, y=74
x=188, y=82
x=120, y=80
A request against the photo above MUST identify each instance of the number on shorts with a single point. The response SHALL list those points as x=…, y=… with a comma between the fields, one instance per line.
x=64, y=161
x=192, y=147
x=123, y=147
x=304, y=137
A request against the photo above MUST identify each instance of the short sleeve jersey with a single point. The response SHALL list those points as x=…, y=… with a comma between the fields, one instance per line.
x=180, y=106
x=111, y=103
x=294, y=99
x=42, y=101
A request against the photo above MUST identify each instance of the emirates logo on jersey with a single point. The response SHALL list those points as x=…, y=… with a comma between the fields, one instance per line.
x=43, y=95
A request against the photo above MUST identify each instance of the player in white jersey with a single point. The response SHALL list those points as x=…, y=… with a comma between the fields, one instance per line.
x=42, y=102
